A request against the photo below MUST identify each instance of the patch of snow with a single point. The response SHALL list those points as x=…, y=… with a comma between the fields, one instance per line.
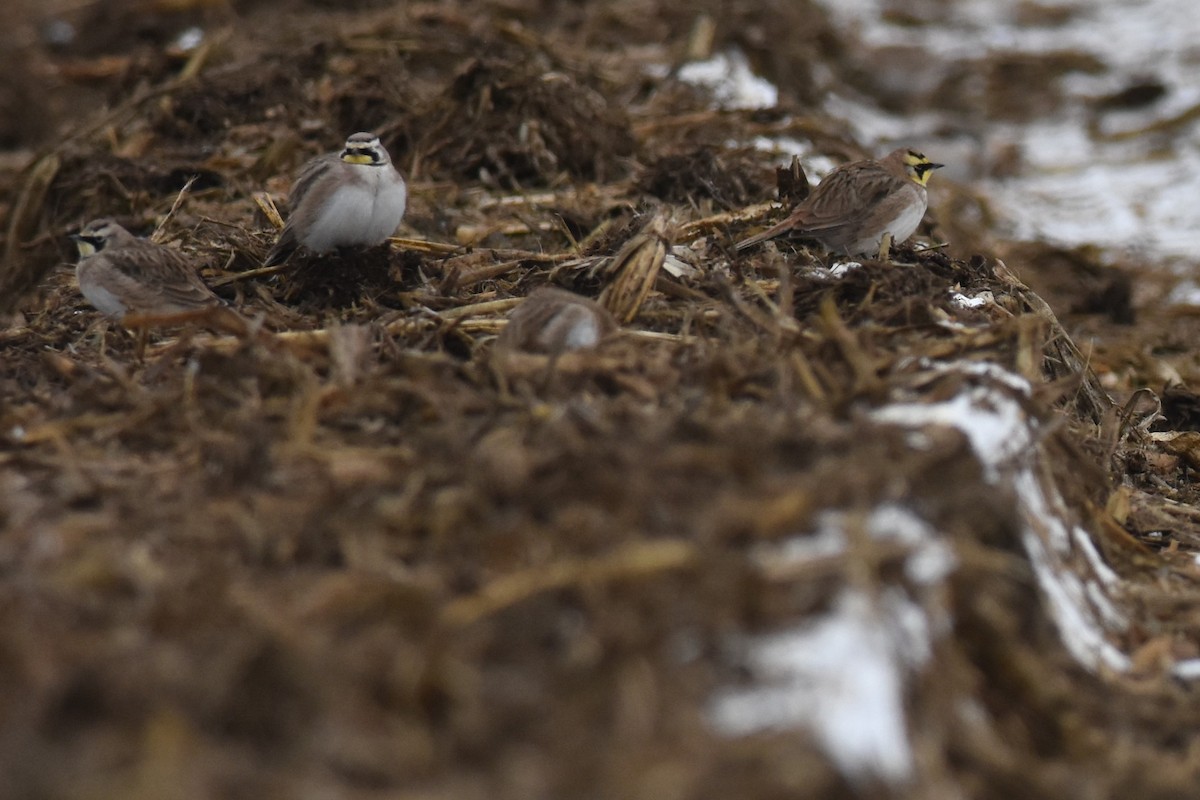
x=1067, y=596
x=880, y=128
x=929, y=562
x=978, y=301
x=785, y=146
x=828, y=541
x=932, y=560
x=987, y=369
x=1187, y=670
x=994, y=423
x=815, y=165
x=1185, y=293
x=1002, y=438
x=911, y=633
x=189, y=39
x=841, y=677
x=732, y=83
x=1115, y=200
x=1087, y=546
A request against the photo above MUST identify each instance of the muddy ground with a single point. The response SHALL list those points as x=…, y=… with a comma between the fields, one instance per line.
x=361, y=556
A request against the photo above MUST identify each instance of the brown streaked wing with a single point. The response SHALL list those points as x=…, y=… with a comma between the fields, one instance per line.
x=847, y=196
x=309, y=176
x=158, y=276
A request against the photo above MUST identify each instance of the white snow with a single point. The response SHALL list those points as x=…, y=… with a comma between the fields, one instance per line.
x=994, y=423
x=189, y=39
x=841, y=677
x=1003, y=438
x=978, y=301
x=929, y=562
x=732, y=83
x=1185, y=293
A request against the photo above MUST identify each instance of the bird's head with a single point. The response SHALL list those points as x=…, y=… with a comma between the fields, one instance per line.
x=917, y=166
x=97, y=235
x=365, y=149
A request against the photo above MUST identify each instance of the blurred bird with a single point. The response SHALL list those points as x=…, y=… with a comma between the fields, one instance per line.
x=121, y=274
x=554, y=321
x=143, y=284
x=354, y=198
x=863, y=207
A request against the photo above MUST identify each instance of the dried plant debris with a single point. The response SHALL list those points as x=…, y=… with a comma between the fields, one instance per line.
x=554, y=494
x=340, y=278
x=634, y=269
x=704, y=174
x=523, y=124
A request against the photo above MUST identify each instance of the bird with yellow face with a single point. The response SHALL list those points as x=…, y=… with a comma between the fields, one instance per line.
x=352, y=198
x=861, y=208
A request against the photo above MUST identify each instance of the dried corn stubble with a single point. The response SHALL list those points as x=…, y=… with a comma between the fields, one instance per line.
x=634, y=269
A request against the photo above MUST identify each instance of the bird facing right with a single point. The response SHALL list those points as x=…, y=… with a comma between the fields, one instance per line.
x=354, y=198
x=861, y=208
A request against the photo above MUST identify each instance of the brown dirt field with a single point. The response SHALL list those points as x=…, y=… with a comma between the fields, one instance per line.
x=366, y=555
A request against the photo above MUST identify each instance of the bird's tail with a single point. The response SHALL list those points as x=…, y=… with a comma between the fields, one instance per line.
x=217, y=315
x=283, y=249
x=777, y=229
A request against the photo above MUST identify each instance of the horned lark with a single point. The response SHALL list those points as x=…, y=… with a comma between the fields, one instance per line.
x=862, y=207
x=122, y=275
x=348, y=199
x=145, y=285
x=555, y=321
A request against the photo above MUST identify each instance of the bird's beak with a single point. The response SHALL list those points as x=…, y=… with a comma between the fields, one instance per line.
x=934, y=166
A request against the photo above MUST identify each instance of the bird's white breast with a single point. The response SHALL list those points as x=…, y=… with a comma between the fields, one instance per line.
x=572, y=327
x=906, y=222
x=93, y=289
x=901, y=226
x=361, y=212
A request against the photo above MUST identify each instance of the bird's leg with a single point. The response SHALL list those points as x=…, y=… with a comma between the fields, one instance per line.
x=885, y=246
x=97, y=332
x=143, y=334
x=227, y=320
x=140, y=324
